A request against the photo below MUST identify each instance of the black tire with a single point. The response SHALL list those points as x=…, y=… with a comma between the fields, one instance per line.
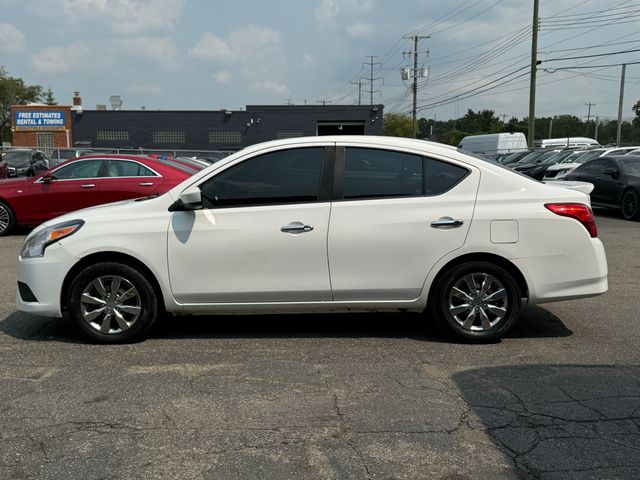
x=476, y=316
x=7, y=219
x=630, y=204
x=116, y=282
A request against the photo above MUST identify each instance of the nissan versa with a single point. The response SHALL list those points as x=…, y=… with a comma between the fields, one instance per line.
x=321, y=224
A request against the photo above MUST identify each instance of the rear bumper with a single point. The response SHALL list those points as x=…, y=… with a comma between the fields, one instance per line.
x=580, y=274
x=44, y=277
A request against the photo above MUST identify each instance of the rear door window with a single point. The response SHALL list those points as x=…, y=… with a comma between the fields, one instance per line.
x=374, y=173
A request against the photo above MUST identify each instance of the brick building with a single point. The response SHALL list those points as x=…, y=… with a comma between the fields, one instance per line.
x=42, y=126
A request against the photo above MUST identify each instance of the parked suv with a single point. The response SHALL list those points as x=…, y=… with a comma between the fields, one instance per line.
x=25, y=162
x=4, y=167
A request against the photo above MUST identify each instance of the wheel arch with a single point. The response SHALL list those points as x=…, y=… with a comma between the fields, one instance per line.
x=482, y=257
x=117, y=257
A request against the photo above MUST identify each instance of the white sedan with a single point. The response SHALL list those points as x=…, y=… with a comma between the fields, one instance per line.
x=321, y=224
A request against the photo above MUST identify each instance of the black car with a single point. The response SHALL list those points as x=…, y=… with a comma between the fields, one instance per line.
x=616, y=179
x=538, y=168
x=25, y=162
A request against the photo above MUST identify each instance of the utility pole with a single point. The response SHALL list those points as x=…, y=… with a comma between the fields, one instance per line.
x=503, y=115
x=589, y=104
x=550, y=127
x=619, y=131
x=416, y=74
x=534, y=66
x=372, y=79
x=323, y=102
x=595, y=136
x=359, y=83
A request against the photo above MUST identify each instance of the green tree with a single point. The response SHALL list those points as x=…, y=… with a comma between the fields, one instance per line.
x=398, y=125
x=48, y=97
x=14, y=91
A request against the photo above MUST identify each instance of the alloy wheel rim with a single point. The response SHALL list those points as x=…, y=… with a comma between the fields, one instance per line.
x=4, y=218
x=110, y=304
x=478, y=302
x=629, y=204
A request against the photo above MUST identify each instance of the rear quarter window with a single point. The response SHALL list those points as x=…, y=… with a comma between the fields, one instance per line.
x=440, y=176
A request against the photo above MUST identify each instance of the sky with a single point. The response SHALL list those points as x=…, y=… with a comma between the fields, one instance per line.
x=206, y=55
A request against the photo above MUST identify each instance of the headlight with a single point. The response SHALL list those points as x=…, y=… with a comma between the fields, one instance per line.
x=35, y=245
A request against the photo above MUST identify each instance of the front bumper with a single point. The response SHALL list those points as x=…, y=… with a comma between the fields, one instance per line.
x=44, y=276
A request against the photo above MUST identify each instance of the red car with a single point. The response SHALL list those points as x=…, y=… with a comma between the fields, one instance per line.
x=84, y=182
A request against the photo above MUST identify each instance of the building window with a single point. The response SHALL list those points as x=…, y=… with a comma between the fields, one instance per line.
x=169, y=137
x=113, y=135
x=280, y=134
x=44, y=142
x=225, y=137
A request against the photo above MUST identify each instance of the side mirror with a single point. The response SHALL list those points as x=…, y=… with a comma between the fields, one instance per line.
x=613, y=172
x=190, y=199
x=48, y=178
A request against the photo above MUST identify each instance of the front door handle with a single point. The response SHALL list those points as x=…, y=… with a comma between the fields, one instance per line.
x=446, y=223
x=88, y=185
x=146, y=184
x=296, y=227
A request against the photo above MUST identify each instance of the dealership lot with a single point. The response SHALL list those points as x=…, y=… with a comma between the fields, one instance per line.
x=341, y=396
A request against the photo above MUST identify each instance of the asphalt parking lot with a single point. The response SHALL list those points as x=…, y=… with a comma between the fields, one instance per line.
x=341, y=396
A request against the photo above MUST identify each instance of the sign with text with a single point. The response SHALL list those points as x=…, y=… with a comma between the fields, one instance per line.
x=39, y=120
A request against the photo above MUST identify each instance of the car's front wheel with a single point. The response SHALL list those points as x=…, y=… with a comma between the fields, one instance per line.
x=476, y=301
x=631, y=205
x=113, y=303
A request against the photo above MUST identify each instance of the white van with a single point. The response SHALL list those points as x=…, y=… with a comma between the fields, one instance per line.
x=494, y=143
x=566, y=142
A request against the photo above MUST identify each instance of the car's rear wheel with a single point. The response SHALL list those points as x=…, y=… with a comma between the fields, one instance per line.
x=630, y=205
x=476, y=301
x=7, y=219
x=113, y=303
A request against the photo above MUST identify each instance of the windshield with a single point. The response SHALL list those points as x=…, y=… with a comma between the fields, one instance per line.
x=530, y=157
x=587, y=156
x=15, y=159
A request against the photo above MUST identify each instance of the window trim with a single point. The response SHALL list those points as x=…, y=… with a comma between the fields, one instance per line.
x=340, y=168
x=103, y=167
x=324, y=186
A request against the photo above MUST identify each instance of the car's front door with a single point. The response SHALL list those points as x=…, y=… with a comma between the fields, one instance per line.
x=261, y=236
x=400, y=213
x=74, y=186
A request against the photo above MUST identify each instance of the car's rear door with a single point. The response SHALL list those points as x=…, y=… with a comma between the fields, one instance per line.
x=125, y=179
x=395, y=215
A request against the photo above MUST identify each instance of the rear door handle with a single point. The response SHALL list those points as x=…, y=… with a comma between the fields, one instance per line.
x=88, y=185
x=296, y=227
x=446, y=223
x=146, y=184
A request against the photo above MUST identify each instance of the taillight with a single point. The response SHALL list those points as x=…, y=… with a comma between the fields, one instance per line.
x=580, y=212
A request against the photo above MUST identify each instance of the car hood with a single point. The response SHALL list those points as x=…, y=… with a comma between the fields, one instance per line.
x=564, y=166
x=116, y=211
x=20, y=165
x=525, y=166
